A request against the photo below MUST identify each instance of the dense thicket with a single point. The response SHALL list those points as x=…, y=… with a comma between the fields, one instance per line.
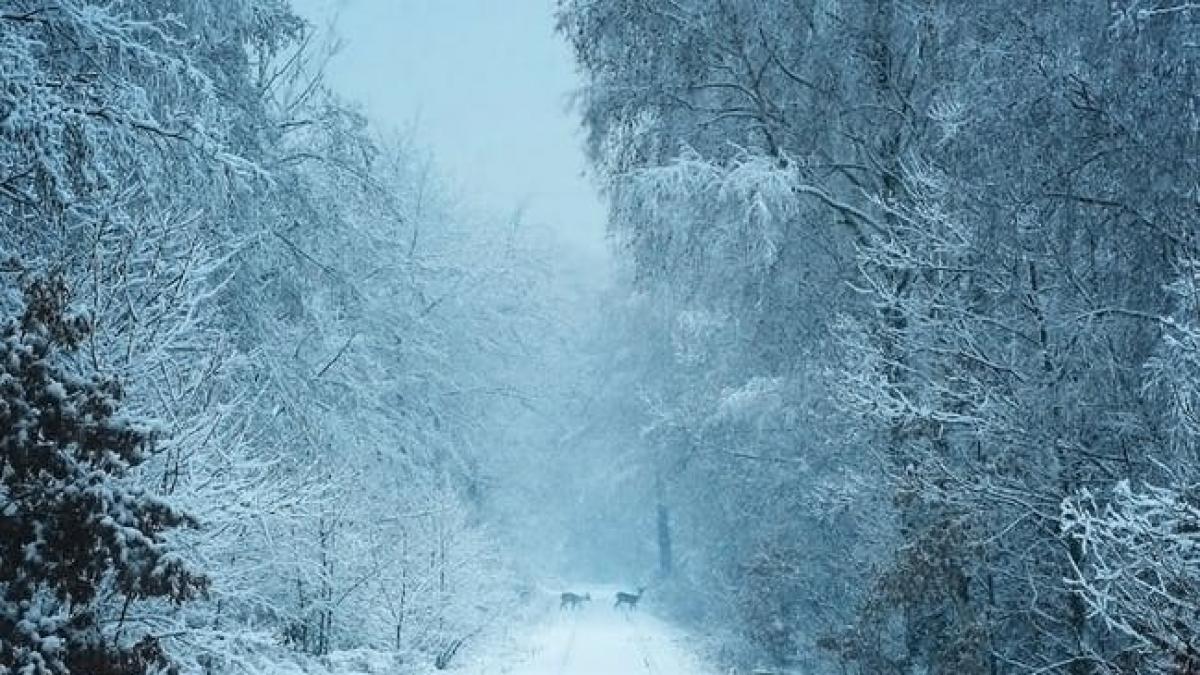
x=311, y=326
x=921, y=385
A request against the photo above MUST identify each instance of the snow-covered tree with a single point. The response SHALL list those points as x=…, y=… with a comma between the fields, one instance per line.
x=958, y=219
x=315, y=323
x=80, y=547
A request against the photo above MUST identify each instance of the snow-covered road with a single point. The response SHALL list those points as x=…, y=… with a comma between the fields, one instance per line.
x=594, y=640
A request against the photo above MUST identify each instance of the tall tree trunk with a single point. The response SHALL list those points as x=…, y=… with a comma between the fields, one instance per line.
x=664, y=526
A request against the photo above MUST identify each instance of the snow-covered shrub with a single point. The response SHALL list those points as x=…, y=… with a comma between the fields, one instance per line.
x=1140, y=570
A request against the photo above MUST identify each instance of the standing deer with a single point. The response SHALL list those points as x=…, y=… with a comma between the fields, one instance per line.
x=574, y=600
x=630, y=599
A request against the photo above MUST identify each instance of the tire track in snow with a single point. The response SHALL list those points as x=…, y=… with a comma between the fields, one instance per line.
x=641, y=640
x=566, y=658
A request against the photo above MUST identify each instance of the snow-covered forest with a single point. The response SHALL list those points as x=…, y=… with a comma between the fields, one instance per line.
x=892, y=366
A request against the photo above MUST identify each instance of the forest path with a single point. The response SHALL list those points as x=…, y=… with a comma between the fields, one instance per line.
x=594, y=640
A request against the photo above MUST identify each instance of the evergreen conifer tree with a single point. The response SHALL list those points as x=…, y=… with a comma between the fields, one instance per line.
x=79, y=545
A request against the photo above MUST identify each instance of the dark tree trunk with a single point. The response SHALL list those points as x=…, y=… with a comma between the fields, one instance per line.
x=664, y=527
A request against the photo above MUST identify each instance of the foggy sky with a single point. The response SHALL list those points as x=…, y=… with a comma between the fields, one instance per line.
x=485, y=83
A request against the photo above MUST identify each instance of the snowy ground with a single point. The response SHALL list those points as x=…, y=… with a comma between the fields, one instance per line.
x=593, y=640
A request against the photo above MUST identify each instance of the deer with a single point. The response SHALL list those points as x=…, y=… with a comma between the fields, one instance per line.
x=574, y=600
x=630, y=599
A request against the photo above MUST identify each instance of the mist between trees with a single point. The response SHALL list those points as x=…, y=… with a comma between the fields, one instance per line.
x=898, y=370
